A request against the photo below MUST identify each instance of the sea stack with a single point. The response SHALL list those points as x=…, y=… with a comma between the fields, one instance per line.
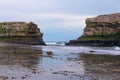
x=103, y=30
x=21, y=33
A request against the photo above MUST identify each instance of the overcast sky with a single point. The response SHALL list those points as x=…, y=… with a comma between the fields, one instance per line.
x=59, y=20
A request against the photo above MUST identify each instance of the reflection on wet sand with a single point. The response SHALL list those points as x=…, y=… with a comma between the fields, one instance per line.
x=18, y=60
x=25, y=62
x=19, y=55
x=101, y=67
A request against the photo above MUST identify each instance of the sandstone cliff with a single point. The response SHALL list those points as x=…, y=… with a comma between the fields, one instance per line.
x=20, y=32
x=102, y=25
x=103, y=30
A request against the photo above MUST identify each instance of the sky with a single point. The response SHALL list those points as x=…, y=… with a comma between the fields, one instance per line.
x=59, y=20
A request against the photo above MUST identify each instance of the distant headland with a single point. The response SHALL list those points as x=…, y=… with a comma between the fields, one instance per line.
x=103, y=30
x=21, y=32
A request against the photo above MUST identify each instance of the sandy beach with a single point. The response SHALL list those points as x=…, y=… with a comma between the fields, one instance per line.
x=28, y=62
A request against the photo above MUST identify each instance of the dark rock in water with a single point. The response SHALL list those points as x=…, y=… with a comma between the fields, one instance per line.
x=103, y=30
x=49, y=53
x=21, y=32
x=92, y=51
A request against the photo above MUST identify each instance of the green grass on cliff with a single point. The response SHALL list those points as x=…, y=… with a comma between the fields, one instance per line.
x=90, y=38
x=101, y=37
x=5, y=39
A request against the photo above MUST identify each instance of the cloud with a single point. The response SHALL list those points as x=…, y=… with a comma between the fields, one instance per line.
x=59, y=15
x=26, y=2
x=64, y=19
x=74, y=23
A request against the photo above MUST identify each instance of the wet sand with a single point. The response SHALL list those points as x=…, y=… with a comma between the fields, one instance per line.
x=27, y=62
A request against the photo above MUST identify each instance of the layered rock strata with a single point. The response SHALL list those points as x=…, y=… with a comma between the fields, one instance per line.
x=103, y=30
x=21, y=32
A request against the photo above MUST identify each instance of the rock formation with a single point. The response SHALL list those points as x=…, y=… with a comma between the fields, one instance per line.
x=20, y=32
x=103, y=30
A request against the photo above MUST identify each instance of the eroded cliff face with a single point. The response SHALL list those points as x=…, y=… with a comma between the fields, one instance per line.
x=103, y=30
x=20, y=32
x=102, y=25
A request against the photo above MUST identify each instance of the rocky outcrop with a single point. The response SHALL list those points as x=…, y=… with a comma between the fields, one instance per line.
x=103, y=30
x=21, y=32
x=102, y=25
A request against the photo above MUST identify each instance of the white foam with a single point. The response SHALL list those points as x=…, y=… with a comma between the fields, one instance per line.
x=117, y=48
x=82, y=49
